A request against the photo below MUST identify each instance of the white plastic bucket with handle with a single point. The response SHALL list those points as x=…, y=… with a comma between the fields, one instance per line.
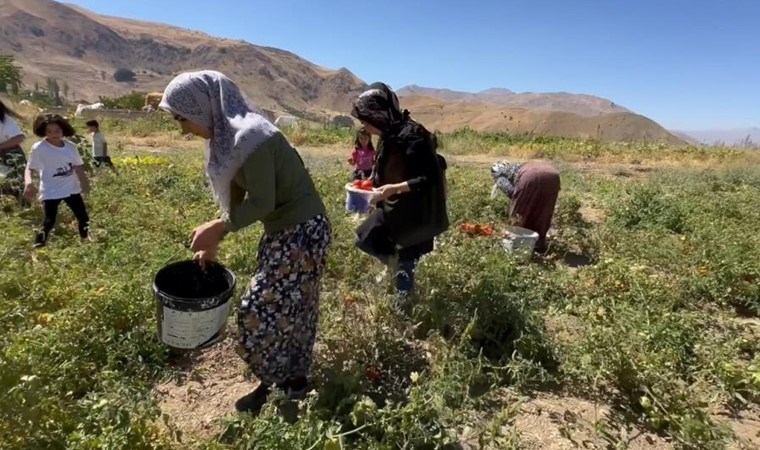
x=520, y=240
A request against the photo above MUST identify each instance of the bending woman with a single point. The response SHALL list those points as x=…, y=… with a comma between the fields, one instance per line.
x=257, y=176
x=533, y=189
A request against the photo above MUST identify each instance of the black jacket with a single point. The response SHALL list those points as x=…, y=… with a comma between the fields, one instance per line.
x=412, y=218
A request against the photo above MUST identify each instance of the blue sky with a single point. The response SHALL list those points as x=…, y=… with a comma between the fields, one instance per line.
x=685, y=64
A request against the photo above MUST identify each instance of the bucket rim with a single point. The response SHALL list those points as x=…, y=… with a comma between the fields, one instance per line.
x=521, y=232
x=229, y=291
x=351, y=188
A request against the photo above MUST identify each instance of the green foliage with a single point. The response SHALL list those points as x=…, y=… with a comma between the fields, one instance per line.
x=318, y=136
x=133, y=101
x=650, y=328
x=10, y=75
x=54, y=91
x=647, y=207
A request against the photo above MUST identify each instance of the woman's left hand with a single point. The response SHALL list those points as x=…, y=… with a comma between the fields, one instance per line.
x=383, y=193
x=207, y=236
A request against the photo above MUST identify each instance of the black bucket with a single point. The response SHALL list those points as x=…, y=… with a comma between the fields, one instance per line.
x=192, y=305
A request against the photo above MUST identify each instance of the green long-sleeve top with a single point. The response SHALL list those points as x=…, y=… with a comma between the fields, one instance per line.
x=273, y=187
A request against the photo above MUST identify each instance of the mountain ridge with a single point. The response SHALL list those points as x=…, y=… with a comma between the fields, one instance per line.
x=83, y=50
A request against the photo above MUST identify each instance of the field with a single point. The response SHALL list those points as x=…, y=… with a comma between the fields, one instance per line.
x=638, y=330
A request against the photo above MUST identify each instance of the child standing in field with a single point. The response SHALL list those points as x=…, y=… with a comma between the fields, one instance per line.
x=99, y=145
x=60, y=169
x=363, y=156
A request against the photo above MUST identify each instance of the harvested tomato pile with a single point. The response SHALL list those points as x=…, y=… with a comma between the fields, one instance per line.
x=365, y=185
x=473, y=229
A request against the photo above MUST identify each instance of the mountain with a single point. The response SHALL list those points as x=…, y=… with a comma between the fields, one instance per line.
x=731, y=137
x=445, y=116
x=84, y=50
x=581, y=104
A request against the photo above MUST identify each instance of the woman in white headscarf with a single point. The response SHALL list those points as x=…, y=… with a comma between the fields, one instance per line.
x=256, y=175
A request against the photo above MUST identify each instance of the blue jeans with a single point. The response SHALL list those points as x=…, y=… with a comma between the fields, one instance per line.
x=403, y=278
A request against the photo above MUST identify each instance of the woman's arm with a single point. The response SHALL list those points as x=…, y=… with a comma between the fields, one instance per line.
x=424, y=163
x=259, y=175
x=13, y=142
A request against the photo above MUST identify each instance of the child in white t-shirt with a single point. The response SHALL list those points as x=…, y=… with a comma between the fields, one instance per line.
x=99, y=145
x=61, y=173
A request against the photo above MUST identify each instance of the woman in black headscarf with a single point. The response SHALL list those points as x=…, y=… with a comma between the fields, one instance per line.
x=410, y=197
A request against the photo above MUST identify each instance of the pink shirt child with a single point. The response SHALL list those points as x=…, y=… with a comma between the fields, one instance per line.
x=363, y=158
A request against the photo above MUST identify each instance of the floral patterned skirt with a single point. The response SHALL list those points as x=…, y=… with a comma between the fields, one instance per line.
x=278, y=315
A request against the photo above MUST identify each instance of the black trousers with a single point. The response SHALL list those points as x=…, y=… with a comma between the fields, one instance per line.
x=360, y=174
x=76, y=204
x=103, y=160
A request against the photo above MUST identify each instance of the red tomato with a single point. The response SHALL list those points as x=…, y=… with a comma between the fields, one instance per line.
x=357, y=184
x=366, y=185
x=373, y=375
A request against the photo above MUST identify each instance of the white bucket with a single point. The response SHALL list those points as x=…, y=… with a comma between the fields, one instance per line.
x=520, y=240
x=357, y=200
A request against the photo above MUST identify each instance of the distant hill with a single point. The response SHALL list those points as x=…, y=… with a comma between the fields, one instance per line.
x=84, y=50
x=581, y=104
x=731, y=137
x=442, y=115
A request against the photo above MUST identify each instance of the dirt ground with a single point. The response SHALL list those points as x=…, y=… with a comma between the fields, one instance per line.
x=204, y=389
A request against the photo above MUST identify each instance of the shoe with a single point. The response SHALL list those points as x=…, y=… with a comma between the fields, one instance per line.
x=295, y=388
x=253, y=402
x=39, y=240
x=402, y=302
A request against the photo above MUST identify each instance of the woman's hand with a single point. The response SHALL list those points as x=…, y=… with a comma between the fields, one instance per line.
x=30, y=191
x=386, y=191
x=205, y=256
x=205, y=241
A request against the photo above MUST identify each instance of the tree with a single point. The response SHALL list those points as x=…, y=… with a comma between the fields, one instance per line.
x=54, y=92
x=124, y=75
x=10, y=75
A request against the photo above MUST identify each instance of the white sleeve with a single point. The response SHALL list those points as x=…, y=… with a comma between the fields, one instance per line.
x=34, y=162
x=10, y=129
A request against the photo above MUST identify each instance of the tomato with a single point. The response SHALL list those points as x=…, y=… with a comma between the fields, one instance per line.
x=366, y=185
x=357, y=184
x=373, y=375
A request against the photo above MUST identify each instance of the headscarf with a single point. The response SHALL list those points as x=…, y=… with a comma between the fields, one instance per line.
x=379, y=107
x=504, y=175
x=237, y=127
